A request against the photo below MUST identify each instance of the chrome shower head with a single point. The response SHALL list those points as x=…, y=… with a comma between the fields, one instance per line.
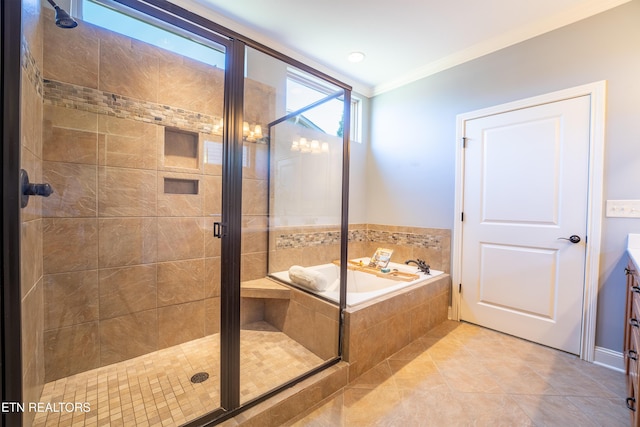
x=63, y=20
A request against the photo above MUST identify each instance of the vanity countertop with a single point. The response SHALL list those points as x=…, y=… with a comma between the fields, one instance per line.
x=633, y=248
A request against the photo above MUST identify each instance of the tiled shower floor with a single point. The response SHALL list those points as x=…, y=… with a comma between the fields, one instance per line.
x=155, y=389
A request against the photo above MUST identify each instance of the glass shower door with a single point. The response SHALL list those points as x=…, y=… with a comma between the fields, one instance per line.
x=120, y=270
x=291, y=215
x=133, y=119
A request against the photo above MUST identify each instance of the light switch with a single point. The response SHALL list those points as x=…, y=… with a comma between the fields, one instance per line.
x=623, y=208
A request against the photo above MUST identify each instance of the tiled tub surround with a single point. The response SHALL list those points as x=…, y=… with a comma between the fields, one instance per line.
x=430, y=244
x=315, y=245
x=376, y=329
x=129, y=269
x=373, y=330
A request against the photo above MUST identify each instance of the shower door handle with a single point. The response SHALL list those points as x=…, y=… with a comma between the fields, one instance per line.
x=217, y=230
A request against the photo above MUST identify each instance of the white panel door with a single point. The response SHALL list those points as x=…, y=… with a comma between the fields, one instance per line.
x=525, y=194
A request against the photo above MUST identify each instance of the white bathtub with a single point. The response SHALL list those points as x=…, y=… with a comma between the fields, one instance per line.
x=361, y=286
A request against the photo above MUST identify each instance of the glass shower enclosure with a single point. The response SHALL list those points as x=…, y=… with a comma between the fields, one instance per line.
x=191, y=169
x=291, y=217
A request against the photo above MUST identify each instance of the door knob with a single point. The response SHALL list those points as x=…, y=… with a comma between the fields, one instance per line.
x=572, y=239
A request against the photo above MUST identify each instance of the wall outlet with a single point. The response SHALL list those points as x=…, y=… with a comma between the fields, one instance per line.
x=623, y=209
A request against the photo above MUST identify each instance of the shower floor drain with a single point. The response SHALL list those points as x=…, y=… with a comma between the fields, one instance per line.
x=199, y=377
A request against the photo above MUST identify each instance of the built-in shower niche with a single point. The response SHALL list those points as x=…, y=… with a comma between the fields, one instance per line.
x=180, y=149
x=180, y=186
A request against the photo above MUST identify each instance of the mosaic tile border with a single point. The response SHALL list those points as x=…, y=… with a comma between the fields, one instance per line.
x=305, y=240
x=358, y=236
x=96, y=101
x=406, y=239
x=68, y=95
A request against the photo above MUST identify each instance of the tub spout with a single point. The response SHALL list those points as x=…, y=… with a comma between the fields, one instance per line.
x=422, y=266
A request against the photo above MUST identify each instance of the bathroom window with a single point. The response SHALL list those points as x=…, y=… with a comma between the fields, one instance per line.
x=303, y=91
x=213, y=154
x=111, y=15
x=356, y=120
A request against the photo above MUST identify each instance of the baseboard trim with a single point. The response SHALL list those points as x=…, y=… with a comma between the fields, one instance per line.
x=609, y=359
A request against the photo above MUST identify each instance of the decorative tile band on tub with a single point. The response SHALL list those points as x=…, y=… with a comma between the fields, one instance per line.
x=406, y=239
x=302, y=240
x=305, y=240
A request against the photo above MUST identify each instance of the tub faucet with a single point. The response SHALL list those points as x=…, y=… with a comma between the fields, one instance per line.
x=422, y=266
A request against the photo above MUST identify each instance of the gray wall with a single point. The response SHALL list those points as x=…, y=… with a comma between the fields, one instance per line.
x=410, y=167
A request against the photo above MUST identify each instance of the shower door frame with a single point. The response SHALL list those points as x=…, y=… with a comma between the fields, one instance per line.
x=10, y=293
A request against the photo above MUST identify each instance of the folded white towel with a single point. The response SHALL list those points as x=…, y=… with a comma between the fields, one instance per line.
x=308, y=278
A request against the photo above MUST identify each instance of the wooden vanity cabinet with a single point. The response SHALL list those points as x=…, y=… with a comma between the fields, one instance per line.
x=632, y=341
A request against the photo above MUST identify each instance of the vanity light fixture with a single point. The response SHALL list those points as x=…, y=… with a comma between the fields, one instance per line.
x=315, y=146
x=254, y=135
x=305, y=147
x=248, y=134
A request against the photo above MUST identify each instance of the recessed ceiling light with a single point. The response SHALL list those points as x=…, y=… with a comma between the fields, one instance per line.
x=356, y=57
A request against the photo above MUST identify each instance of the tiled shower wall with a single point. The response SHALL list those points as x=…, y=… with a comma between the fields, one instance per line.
x=313, y=245
x=129, y=269
x=31, y=217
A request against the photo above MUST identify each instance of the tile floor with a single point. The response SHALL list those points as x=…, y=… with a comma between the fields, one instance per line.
x=456, y=375
x=463, y=375
x=155, y=389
